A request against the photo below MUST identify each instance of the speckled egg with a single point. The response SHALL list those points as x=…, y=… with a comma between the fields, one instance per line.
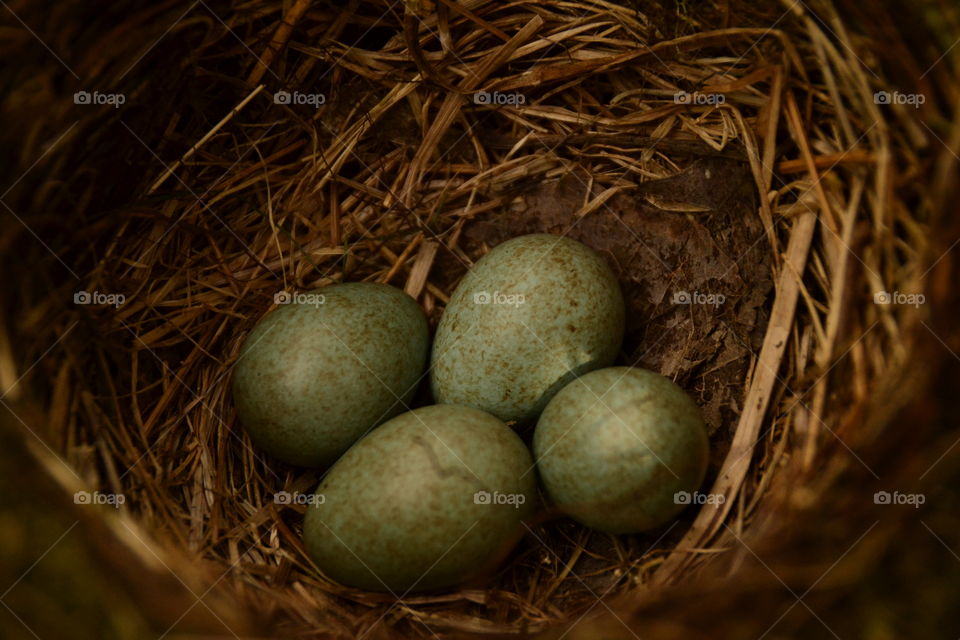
x=618, y=448
x=531, y=315
x=328, y=365
x=432, y=498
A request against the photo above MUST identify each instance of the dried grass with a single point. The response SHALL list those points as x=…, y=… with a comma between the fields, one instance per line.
x=379, y=184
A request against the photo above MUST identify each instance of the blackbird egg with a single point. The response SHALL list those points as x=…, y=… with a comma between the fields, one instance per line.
x=327, y=366
x=432, y=498
x=531, y=315
x=621, y=449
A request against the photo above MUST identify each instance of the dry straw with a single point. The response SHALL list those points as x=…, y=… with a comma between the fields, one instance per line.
x=234, y=194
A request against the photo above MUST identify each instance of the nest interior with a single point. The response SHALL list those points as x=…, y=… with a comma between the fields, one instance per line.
x=267, y=148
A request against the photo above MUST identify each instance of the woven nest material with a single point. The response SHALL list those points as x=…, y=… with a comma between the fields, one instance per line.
x=751, y=192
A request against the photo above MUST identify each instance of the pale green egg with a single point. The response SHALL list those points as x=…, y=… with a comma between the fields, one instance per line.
x=327, y=366
x=432, y=498
x=621, y=449
x=531, y=315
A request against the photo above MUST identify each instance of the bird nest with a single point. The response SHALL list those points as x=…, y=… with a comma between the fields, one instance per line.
x=743, y=180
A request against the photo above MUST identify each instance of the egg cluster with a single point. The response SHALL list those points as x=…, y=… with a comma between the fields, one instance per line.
x=435, y=496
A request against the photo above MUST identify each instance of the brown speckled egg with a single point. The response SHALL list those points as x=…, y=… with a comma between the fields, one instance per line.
x=427, y=500
x=617, y=449
x=324, y=368
x=531, y=315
